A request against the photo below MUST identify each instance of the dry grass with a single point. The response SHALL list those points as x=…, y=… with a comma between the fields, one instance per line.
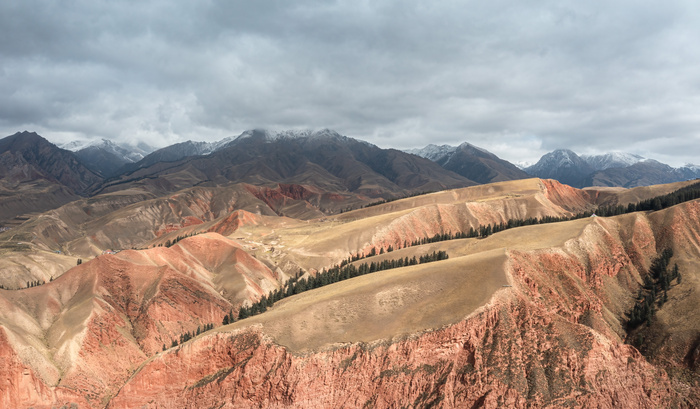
x=407, y=300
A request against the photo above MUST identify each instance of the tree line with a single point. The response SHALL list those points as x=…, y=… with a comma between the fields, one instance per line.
x=30, y=284
x=685, y=194
x=382, y=201
x=189, y=335
x=653, y=293
x=332, y=275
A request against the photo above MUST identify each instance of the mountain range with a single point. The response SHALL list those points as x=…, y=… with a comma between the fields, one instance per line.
x=324, y=159
x=612, y=169
x=471, y=162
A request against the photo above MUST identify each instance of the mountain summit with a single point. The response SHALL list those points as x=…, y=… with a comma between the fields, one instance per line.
x=563, y=165
x=472, y=162
x=324, y=159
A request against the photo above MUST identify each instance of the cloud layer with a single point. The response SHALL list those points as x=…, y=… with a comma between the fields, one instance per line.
x=517, y=78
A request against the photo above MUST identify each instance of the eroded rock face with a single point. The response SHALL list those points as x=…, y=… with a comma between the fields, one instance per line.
x=510, y=355
x=21, y=387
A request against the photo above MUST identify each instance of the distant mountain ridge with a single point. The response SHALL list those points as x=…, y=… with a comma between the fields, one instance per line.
x=36, y=175
x=39, y=158
x=472, y=162
x=324, y=159
x=106, y=157
x=563, y=165
x=612, y=160
x=611, y=169
x=121, y=162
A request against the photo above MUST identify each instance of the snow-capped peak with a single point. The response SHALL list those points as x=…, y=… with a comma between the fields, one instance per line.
x=612, y=160
x=432, y=152
x=126, y=151
x=75, y=146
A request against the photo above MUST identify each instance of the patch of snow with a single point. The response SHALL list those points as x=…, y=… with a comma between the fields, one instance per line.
x=612, y=160
x=433, y=152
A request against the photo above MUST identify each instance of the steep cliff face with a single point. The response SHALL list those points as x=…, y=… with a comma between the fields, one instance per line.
x=554, y=339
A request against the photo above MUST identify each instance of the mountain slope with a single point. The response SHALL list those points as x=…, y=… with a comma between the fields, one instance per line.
x=41, y=159
x=35, y=175
x=323, y=159
x=106, y=157
x=644, y=173
x=554, y=337
x=529, y=316
x=471, y=162
x=563, y=165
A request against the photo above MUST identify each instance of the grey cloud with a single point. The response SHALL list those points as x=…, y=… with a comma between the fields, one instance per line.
x=519, y=78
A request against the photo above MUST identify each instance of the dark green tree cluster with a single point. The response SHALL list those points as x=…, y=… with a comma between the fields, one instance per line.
x=170, y=243
x=178, y=238
x=685, y=194
x=371, y=253
x=35, y=283
x=435, y=256
x=336, y=273
x=229, y=318
x=189, y=335
x=654, y=293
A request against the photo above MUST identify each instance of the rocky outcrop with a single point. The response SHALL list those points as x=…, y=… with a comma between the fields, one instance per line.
x=513, y=354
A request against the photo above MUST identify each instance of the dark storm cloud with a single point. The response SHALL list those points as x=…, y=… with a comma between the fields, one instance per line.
x=518, y=78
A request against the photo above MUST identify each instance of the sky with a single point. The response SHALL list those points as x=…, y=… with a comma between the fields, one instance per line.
x=518, y=78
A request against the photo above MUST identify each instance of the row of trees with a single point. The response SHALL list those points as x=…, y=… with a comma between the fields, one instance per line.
x=654, y=292
x=336, y=273
x=382, y=201
x=189, y=335
x=170, y=243
x=30, y=284
x=685, y=194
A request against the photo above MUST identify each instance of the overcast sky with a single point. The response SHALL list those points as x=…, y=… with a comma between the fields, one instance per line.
x=518, y=78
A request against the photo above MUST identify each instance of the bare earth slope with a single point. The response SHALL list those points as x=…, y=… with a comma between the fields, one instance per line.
x=85, y=332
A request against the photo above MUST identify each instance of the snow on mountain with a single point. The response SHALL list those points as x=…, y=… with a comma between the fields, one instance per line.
x=126, y=152
x=523, y=164
x=689, y=171
x=433, y=152
x=563, y=165
x=75, y=146
x=611, y=160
